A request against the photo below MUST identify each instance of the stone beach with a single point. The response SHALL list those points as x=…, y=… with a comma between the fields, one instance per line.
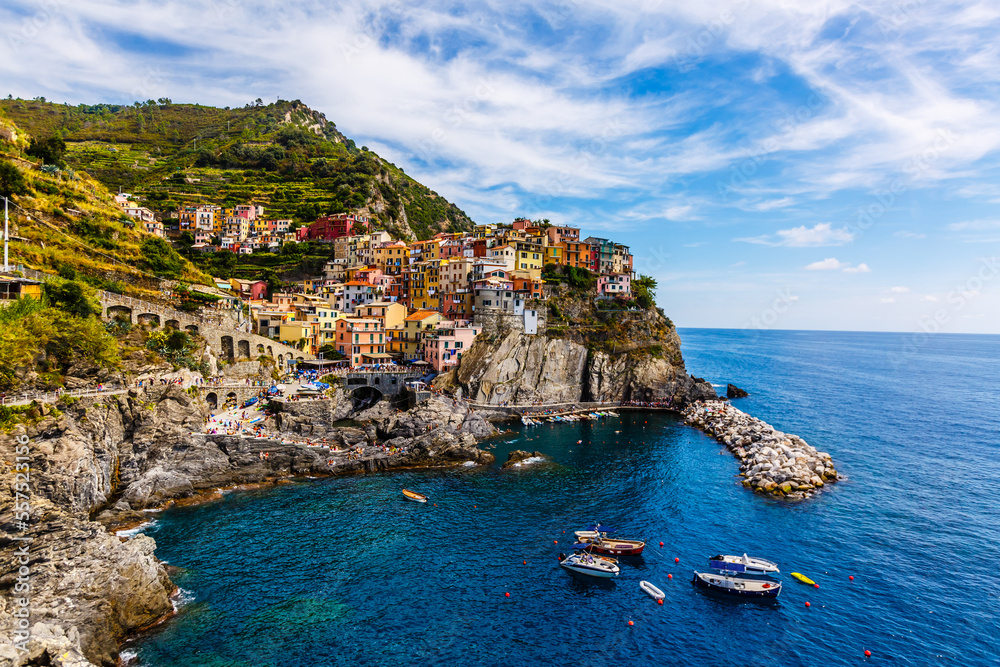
x=774, y=463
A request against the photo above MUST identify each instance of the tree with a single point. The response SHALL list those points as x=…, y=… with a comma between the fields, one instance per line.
x=50, y=151
x=644, y=288
x=71, y=297
x=11, y=180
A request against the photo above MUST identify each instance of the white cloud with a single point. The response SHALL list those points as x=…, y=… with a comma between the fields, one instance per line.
x=860, y=268
x=678, y=212
x=899, y=290
x=974, y=225
x=828, y=264
x=909, y=235
x=821, y=234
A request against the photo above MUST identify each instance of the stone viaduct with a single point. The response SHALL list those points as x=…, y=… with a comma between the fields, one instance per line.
x=219, y=331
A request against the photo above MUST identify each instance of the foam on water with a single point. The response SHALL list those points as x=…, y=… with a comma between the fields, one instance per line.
x=181, y=598
x=528, y=461
x=132, y=532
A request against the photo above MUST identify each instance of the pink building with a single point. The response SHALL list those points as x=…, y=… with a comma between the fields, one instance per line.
x=615, y=284
x=444, y=349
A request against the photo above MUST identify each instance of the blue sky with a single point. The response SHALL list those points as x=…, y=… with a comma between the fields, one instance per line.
x=774, y=164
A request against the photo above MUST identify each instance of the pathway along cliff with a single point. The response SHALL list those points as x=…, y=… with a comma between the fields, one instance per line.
x=103, y=461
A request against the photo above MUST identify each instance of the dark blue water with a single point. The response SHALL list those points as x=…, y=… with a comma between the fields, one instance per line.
x=344, y=571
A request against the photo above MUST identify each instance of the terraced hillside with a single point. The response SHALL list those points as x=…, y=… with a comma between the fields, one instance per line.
x=283, y=156
x=65, y=221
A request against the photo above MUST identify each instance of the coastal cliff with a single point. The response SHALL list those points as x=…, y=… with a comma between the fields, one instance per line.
x=635, y=357
x=102, y=461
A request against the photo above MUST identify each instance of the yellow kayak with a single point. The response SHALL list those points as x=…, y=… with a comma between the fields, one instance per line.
x=803, y=578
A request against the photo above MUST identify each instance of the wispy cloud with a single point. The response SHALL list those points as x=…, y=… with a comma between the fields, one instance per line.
x=822, y=234
x=909, y=235
x=834, y=264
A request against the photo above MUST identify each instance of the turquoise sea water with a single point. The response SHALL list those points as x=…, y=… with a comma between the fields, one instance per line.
x=345, y=571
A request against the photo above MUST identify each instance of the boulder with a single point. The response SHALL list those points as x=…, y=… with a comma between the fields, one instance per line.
x=732, y=391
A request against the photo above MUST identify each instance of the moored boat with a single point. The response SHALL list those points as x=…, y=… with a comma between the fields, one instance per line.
x=742, y=564
x=602, y=544
x=739, y=586
x=582, y=562
x=414, y=496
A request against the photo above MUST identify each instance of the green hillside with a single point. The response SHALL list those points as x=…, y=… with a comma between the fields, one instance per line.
x=283, y=156
x=65, y=221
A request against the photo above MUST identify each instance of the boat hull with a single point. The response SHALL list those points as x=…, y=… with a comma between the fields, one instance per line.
x=600, y=568
x=611, y=547
x=414, y=496
x=651, y=590
x=737, y=586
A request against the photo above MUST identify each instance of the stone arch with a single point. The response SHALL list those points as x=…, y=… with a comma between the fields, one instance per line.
x=172, y=324
x=231, y=398
x=300, y=360
x=149, y=318
x=270, y=353
x=212, y=399
x=243, y=348
x=119, y=313
x=227, y=347
x=281, y=361
x=260, y=349
x=365, y=397
x=191, y=328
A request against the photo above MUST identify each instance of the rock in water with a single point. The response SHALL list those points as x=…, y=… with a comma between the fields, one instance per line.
x=519, y=455
x=732, y=391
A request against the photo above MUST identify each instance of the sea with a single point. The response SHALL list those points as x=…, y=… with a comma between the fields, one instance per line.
x=346, y=571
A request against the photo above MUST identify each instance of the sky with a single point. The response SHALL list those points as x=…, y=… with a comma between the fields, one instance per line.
x=772, y=164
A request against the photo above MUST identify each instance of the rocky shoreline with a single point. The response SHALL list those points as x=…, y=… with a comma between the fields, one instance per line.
x=773, y=463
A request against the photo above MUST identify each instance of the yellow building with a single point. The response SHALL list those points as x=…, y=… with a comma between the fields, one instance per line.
x=530, y=257
x=19, y=288
x=290, y=333
x=389, y=313
x=408, y=341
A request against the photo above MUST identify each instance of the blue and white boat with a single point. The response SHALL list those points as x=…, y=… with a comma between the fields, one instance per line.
x=746, y=587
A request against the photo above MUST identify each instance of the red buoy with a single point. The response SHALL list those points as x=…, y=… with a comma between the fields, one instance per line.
x=474, y=506
x=868, y=653
x=670, y=576
x=555, y=541
x=661, y=544
x=851, y=577
x=631, y=623
x=507, y=595
x=435, y=504
x=816, y=585
x=660, y=601
x=807, y=604
x=524, y=562
x=677, y=560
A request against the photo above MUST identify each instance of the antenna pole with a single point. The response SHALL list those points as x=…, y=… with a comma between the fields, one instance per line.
x=6, y=236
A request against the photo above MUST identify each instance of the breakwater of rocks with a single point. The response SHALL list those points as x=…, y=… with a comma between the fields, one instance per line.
x=774, y=463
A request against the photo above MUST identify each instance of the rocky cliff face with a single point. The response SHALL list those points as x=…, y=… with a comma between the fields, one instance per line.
x=106, y=459
x=519, y=369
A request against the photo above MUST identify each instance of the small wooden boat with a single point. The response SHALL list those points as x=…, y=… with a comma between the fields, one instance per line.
x=602, y=544
x=803, y=578
x=742, y=564
x=651, y=590
x=414, y=496
x=739, y=586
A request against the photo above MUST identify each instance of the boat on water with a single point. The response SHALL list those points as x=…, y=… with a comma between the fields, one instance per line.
x=651, y=590
x=803, y=578
x=414, y=496
x=585, y=563
x=747, y=587
x=742, y=564
x=598, y=538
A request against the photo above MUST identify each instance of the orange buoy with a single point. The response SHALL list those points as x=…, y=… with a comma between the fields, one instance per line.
x=868, y=653
x=524, y=562
x=435, y=504
x=808, y=605
x=677, y=560
x=851, y=577
x=475, y=506
x=507, y=595
x=555, y=541
x=670, y=576
x=660, y=601
x=631, y=623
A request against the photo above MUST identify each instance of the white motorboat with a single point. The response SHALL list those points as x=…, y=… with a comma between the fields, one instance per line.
x=748, y=587
x=582, y=562
x=651, y=590
x=742, y=565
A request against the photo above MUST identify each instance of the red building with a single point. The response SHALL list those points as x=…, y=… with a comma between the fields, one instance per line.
x=336, y=226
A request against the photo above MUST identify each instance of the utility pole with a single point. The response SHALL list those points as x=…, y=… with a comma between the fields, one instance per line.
x=6, y=237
